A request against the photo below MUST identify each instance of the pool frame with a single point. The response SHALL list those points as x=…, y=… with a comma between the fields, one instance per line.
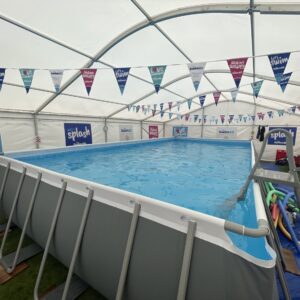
x=199, y=227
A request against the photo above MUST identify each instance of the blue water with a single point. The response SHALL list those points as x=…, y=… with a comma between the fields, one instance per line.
x=199, y=175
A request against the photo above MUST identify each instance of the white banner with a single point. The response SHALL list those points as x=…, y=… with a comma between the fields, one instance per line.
x=227, y=132
x=126, y=133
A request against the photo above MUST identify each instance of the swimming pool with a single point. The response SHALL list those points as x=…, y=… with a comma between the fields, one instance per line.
x=193, y=178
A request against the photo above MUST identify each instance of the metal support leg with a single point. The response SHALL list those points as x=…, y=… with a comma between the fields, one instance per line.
x=128, y=250
x=49, y=239
x=187, y=256
x=78, y=243
x=10, y=269
x=12, y=210
x=4, y=181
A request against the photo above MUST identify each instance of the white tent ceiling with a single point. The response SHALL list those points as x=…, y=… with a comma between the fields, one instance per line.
x=73, y=34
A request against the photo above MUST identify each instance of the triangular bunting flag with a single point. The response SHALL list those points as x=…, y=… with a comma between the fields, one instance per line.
x=204, y=119
x=240, y=117
x=199, y=120
x=189, y=102
x=170, y=115
x=137, y=108
x=222, y=117
x=129, y=107
x=162, y=113
x=2, y=74
x=143, y=108
x=216, y=97
x=293, y=109
x=245, y=119
x=270, y=114
x=230, y=118
x=178, y=105
x=196, y=72
x=157, y=74
x=170, y=105
x=186, y=117
x=161, y=106
x=280, y=112
x=237, y=67
x=202, y=99
x=57, y=76
x=121, y=75
x=153, y=112
x=253, y=118
x=256, y=86
x=196, y=118
x=27, y=75
x=181, y=117
x=278, y=63
x=216, y=121
x=88, y=76
x=234, y=94
x=285, y=80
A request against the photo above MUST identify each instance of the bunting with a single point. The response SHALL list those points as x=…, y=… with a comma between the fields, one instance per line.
x=253, y=118
x=240, y=117
x=278, y=63
x=27, y=75
x=178, y=105
x=245, y=119
x=280, y=112
x=284, y=80
x=121, y=75
x=234, y=94
x=137, y=108
x=189, y=103
x=196, y=72
x=56, y=76
x=222, y=117
x=204, y=119
x=270, y=114
x=161, y=105
x=230, y=118
x=237, y=67
x=216, y=97
x=170, y=115
x=162, y=113
x=200, y=120
x=186, y=117
x=88, y=76
x=256, y=86
x=170, y=105
x=196, y=118
x=202, y=100
x=154, y=109
x=2, y=74
x=129, y=107
x=260, y=115
x=157, y=74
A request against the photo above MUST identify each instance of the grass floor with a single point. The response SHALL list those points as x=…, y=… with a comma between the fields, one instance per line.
x=21, y=287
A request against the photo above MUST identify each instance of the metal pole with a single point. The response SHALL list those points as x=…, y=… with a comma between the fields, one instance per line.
x=202, y=124
x=187, y=257
x=141, y=130
x=128, y=250
x=105, y=129
x=4, y=180
x=49, y=239
x=36, y=131
x=78, y=242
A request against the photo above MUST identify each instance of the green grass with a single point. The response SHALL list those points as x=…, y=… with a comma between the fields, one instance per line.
x=21, y=287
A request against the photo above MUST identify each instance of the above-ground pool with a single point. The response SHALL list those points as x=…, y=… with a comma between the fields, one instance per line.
x=146, y=219
x=197, y=174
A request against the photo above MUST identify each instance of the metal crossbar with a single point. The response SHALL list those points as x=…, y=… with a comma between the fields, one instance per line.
x=10, y=267
x=49, y=239
x=128, y=250
x=78, y=243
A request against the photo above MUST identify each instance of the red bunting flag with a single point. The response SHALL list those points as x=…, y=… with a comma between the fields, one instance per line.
x=170, y=105
x=88, y=76
x=216, y=97
x=237, y=66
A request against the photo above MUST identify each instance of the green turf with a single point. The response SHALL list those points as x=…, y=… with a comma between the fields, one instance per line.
x=21, y=287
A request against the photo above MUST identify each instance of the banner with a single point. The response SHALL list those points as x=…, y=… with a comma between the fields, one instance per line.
x=278, y=63
x=189, y=102
x=27, y=75
x=202, y=99
x=2, y=74
x=126, y=132
x=216, y=97
x=227, y=132
x=285, y=80
x=196, y=72
x=256, y=86
x=157, y=74
x=279, y=138
x=56, y=76
x=180, y=131
x=234, y=94
x=77, y=134
x=121, y=75
x=88, y=76
x=237, y=67
x=153, y=131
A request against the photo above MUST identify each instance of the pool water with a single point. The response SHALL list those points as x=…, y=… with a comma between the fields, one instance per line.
x=199, y=175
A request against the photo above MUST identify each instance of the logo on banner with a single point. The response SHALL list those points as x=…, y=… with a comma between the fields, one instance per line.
x=285, y=80
x=227, y=132
x=216, y=97
x=237, y=67
x=2, y=74
x=180, y=131
x=27, y=75
x=153, y=131
x=88, y=76
x=157, y=74
x=196, y=72
x=278, y=63
x=278, y=138
x=77, y=134
x=121, y=75
x=126, y=133
x=57, y=76
x=256, y=86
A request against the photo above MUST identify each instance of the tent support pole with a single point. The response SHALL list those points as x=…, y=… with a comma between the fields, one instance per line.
x=202, y=124
x=141, y=123
x=105, y=129
x=36, y=132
